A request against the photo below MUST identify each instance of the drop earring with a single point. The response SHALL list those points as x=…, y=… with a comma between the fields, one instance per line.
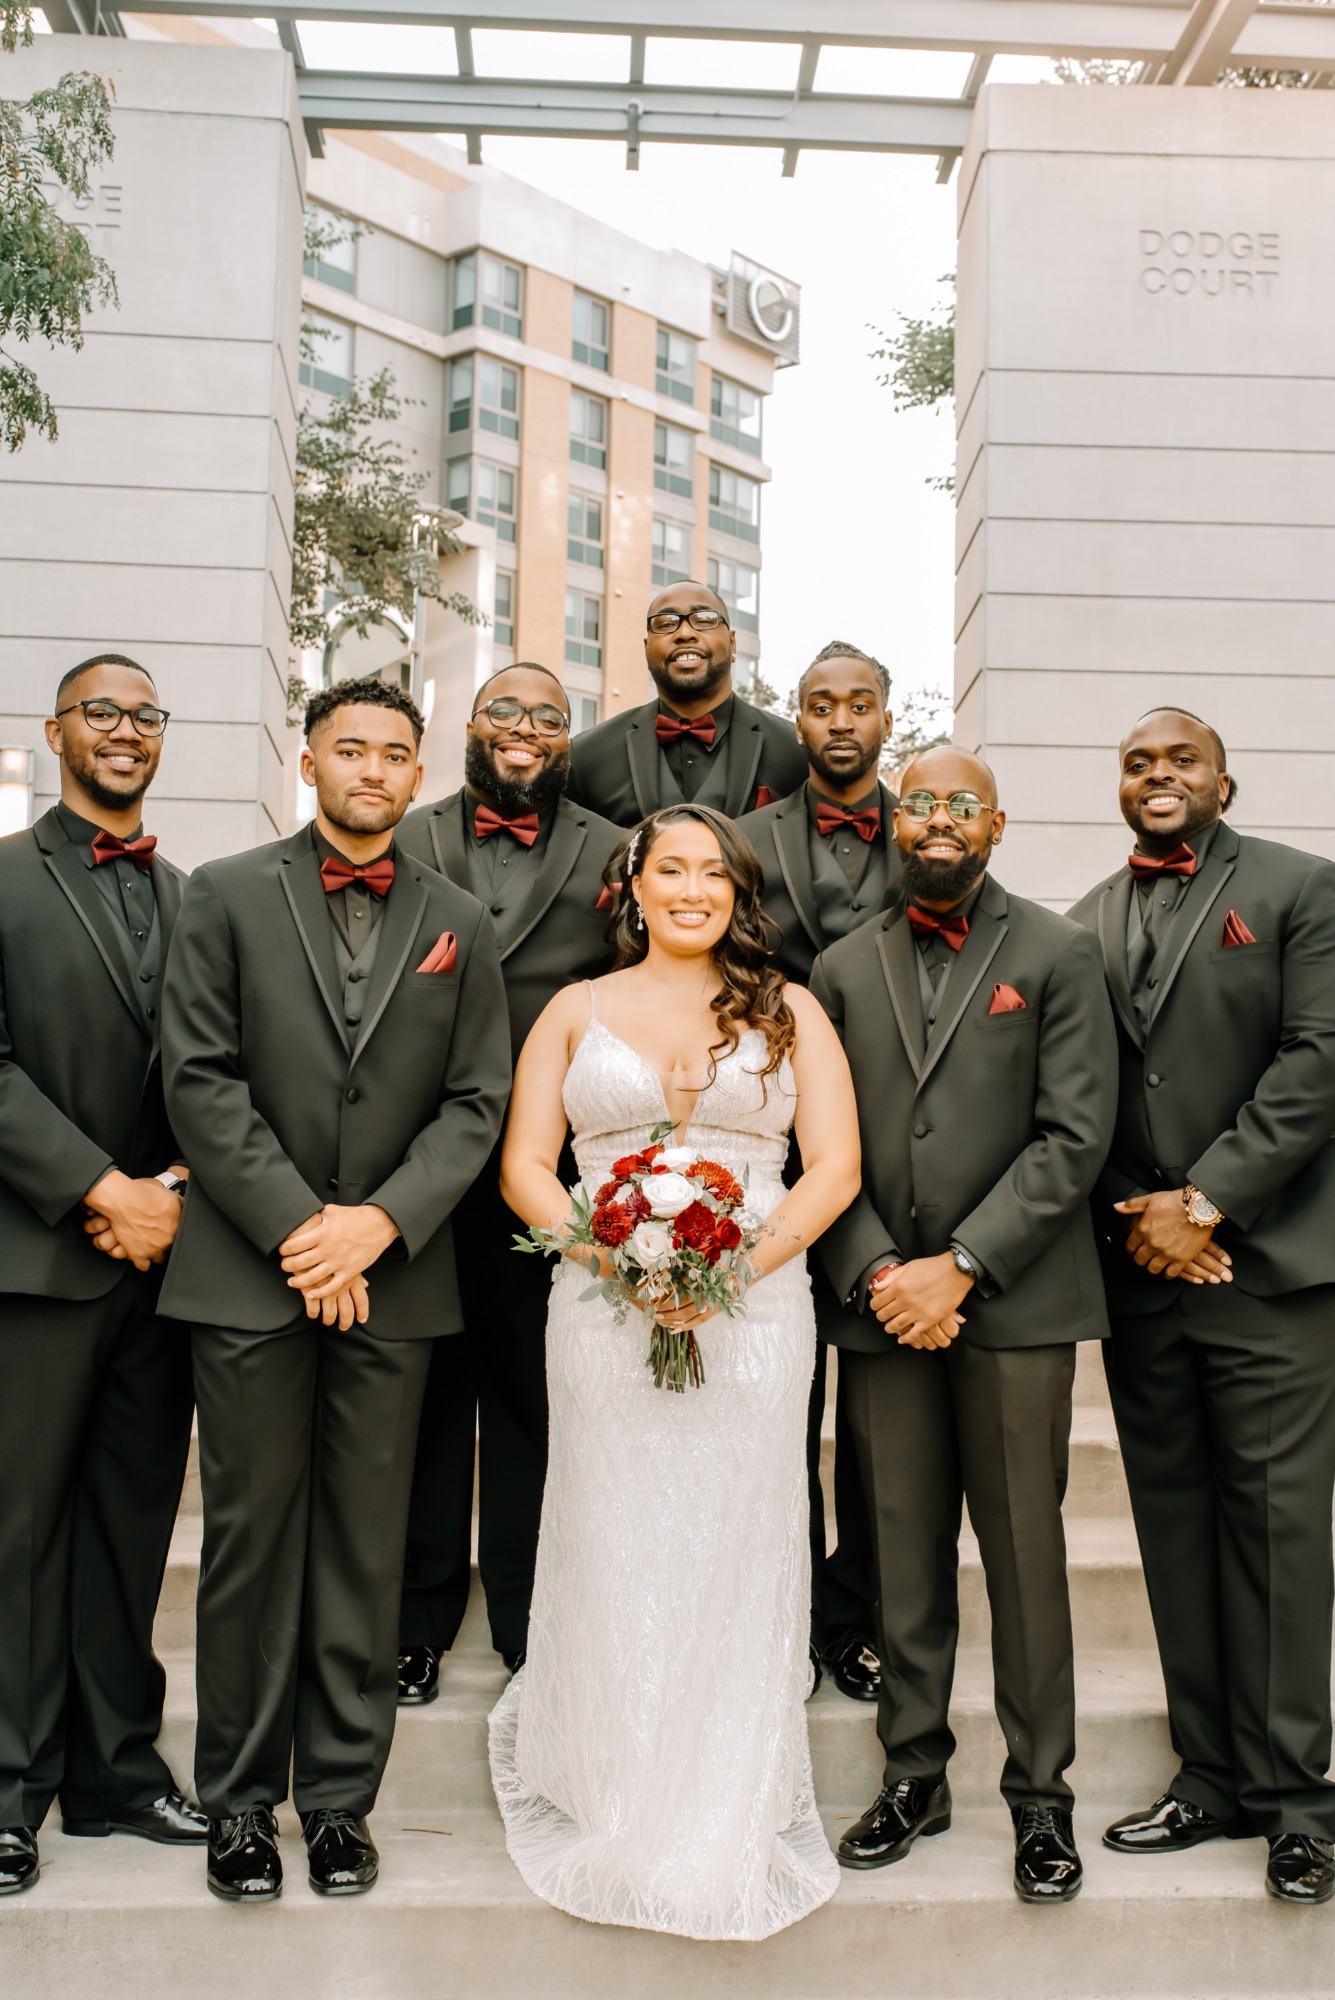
x=639, y=916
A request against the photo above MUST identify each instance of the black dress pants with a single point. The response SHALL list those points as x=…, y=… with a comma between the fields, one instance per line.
x=843, y=1584
x=306, y=1441
x=1225, y=1409
x=486, y=1399
x=95, y=1404
x=932, y=1428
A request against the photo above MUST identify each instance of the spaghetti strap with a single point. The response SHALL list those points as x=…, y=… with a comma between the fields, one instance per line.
x=593, y=1010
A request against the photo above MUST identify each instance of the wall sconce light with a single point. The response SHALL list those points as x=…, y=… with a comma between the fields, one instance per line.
x=16, y=778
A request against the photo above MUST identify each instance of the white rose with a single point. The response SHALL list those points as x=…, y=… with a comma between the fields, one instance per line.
x=677, y=1157
x=668, y=1194
x=650, y=1241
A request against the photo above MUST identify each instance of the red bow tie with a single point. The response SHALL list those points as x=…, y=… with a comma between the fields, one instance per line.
x=110, y=847
x=865, y=824
x=671, y=728
x=336, y=873
x=1180, y=862
x=525, y=829
x=951, y=930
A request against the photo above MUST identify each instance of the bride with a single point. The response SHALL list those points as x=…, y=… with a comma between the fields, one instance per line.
x=651, y=1760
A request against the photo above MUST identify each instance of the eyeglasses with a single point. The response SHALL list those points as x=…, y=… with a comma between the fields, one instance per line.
x=960, y=805
x=701, y=619
x=106, y=716
x=546, y=718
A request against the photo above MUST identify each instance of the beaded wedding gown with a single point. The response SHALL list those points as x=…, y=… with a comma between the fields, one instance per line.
x=651, y=1760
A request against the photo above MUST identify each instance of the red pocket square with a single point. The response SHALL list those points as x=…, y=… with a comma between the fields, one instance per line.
x=764, y=797
x=1235, y=931
x=442, y=954
x=1005, y=1000
x=607, y=899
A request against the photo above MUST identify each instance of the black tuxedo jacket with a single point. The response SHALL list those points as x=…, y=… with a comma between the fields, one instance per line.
x=1233, y=1085
x=781, y=836
x=80, y=1079
x=993, y=1132
x=560, y=933
x=279, y=1111
x=615, y=768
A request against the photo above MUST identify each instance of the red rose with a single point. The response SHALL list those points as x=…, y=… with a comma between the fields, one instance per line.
x=623, y=1169
x=727, y=1234
x=611, y=1225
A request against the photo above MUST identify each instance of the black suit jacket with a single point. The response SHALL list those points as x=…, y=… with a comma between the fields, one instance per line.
x=80, y=1080
x=278, y=1111
x=994, y=1132
x=615, y=767
x=1233, y=1085
x=560, y=933
x=780, y=834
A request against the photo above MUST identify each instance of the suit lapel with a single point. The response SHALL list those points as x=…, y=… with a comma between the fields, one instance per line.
x=565, y=843
x=448, y=839
x=792, y=843
x=646, y=776
x=987, y=927
x=67, y=864
x=898, y=963
x=1114, y=909
x=398, y=930
x=747, y=744
x=299, y=873
x=1218, y=865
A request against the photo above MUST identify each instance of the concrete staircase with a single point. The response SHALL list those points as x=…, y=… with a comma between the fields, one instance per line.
x=120, y=1920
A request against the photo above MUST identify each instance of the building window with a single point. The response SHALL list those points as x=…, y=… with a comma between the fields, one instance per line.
x=671, y=552
x=739, y=587
x=497, y=395
x=333, y=263
x=487, y=291
x=588, y=429
x=734, y=504
x=592, y=333
x=503, y=624
x=585, y=530
x=735, y=414
x=583, y=713
x=674, y=456
x=330, y=366
x=676, y=366
x=584, y=629
x=483, y=491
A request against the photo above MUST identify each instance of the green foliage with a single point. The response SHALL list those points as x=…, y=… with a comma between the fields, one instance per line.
x=920, y=364
x=49, y=274
x=923, y=719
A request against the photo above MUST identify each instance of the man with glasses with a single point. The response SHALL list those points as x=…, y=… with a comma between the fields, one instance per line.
x=1217, y=1218
x=515, y=842
x=95, y=1395
x=699, y=741
x=981, y=1041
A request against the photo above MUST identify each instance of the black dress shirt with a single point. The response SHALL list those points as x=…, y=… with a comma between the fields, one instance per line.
x=500, y=869
x=689, y=759
x=354, y=910
x=862, y=861
x=126, y=888
x=1151, y=922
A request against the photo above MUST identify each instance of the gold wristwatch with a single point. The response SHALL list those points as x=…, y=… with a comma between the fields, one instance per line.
x=1200, y=1209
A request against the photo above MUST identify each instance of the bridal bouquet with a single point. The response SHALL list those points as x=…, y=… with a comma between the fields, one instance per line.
x=673, y=1230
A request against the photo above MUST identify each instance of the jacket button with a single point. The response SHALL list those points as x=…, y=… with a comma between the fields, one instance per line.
x=1153, y=1081
x=855, y=906
x=921, y=1131
x=353, y=1095
x=331, y=1184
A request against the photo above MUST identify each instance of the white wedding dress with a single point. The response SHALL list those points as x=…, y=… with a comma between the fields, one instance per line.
x=651, y=1760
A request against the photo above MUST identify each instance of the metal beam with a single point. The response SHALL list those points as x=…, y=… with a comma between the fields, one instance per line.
x=1207, y=41
x=657, y=113
x=291, y=41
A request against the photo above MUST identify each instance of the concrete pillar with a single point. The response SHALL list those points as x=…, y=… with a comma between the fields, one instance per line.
x=1145, y=390
x=158, y=524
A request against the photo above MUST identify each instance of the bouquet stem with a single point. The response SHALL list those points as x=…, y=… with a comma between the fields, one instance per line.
x=675, y=1358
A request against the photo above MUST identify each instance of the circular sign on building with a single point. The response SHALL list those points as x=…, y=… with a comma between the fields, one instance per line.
x=764, y=308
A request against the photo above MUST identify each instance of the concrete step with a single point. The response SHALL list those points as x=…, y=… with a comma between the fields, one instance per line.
x=122, y=1920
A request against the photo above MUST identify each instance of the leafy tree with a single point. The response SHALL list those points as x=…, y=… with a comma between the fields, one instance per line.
x=49, y=275
x=920, y=364
x=923, y=718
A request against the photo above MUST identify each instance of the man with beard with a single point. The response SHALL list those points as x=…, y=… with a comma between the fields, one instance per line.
x=1217, y=1211
x=698, y=742
x=981, y=1041
x=337, y=1063
x=537, y=862
x=95, y=1394
x=831, y=865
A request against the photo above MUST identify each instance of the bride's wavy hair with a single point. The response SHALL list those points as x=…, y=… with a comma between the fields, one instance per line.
x=752, y=993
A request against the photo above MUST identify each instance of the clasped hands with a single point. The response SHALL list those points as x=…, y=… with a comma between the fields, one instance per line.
x=1167, y=1243
x=918, y=1301
x=134, y=1221
x=327, y=1258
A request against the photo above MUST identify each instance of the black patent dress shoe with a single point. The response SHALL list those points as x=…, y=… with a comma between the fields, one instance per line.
x=340, y=1851
x=854, y=1667
x=1047, y=1867
x=816, y=1673
x=514, y=1661
x=1300, y=1869
x=19, y=1862
x=171, y=1819
x=244, y=1866
x=1168, y=1826
x=887, y=1831
x=419, y=1676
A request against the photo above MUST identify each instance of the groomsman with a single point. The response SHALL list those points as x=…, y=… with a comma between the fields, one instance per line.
x=337, y=1063
x=512, y=840
x=95, y=1395
x=831, y=865
x=698, y=741
x=981, y=1042
x=1218, y=1210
